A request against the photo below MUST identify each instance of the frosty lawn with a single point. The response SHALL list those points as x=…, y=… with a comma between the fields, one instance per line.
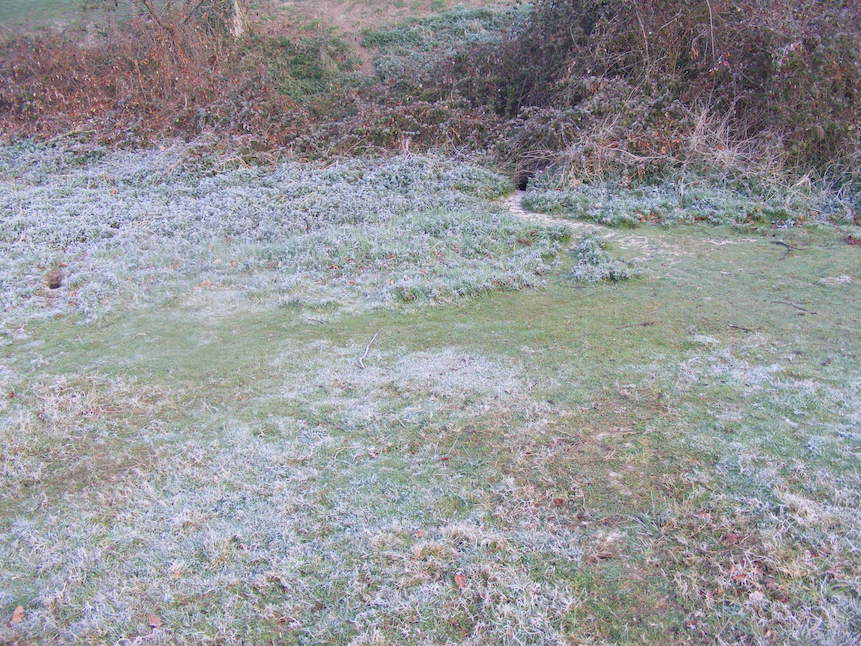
x=668, y=459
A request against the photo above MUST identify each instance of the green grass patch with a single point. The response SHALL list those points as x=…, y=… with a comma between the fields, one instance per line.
x=309, y=66
x=416, y=41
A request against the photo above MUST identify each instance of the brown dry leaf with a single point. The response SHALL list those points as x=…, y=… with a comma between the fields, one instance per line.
x=460, y=581
x=17, y=615
x=154, y=621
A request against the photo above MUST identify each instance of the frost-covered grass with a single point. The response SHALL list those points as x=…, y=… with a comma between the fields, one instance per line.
x=446, y=28
x=126, y=228
x=685, y=199
x=673, y=460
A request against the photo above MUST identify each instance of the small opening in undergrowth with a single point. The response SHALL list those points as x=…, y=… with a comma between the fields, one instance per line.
x=521, y=181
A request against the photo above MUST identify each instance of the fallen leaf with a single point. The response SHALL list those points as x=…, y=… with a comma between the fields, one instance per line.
x=154, y=621
x=17, y=615
x=460, y=581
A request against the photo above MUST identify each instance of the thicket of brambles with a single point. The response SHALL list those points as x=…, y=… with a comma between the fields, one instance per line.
x=622, y=82
x=626, y=87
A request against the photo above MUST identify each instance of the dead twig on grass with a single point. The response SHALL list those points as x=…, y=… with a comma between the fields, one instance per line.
x=361, y=361
x=789, y=247
x=798, y=307
x=643, y=324
x=740, y=327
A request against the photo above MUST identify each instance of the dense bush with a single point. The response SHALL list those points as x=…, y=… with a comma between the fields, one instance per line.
x=645, y=82
x=142, y=81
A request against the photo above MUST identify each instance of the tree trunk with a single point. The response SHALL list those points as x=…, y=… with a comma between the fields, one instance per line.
x=239, y=19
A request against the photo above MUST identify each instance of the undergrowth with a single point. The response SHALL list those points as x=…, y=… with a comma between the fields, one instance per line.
x=600, y=88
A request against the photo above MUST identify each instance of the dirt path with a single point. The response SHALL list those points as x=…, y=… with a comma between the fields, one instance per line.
x=514, y=203
x=646, y=246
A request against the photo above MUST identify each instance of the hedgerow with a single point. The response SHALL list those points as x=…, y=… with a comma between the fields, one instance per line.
x=601, y=88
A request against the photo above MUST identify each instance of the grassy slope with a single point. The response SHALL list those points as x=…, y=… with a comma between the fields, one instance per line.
x=603, y=464
x=27, y=14
x=38, y=11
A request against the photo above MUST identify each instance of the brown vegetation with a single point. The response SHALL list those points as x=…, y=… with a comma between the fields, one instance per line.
x=638, y=82
x=594, y=86
x=141, y=82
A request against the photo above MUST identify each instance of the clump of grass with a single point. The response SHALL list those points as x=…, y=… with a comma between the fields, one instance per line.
x=309, y=66
x=594, y=264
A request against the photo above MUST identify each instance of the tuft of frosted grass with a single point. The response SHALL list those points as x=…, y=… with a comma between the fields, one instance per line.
x=594, y=264
x=136, y=227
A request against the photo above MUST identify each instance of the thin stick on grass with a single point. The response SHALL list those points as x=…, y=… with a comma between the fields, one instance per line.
x=643, y=324
x=361, y=361
x=740, y=327
x=798, y=307
x=789, y=247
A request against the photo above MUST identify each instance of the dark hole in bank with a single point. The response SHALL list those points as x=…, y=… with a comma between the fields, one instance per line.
x=521, y=181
